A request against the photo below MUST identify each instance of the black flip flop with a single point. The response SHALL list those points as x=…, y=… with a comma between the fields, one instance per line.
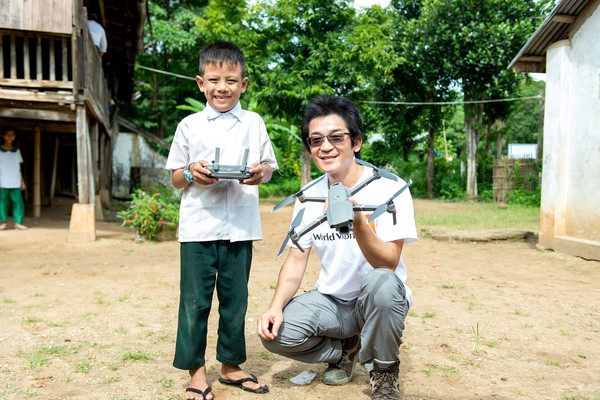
x=239, y=385
x=198, y=391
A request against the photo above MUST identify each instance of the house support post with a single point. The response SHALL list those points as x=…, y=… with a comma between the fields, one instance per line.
x=82, y=227
x=37, y=172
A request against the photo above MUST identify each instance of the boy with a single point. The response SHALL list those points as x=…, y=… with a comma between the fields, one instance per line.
x=11, y=180
x=219, y=219
x=356, y=311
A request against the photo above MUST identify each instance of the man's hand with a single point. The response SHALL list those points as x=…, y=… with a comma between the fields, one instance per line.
x=268, y=324
x=262, y=174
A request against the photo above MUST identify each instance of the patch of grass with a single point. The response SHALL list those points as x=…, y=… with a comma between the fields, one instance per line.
x=427, y=315
x=450, y=371
x=31, y=320
x=40, y=358
x=164, y=382
x=268, y=356
x=478, y=333
x=83, y=367
x=56, y=324
x=446, y=286
x=136, y=356
x=111, y=379
x=478, y=216
x=553, y=363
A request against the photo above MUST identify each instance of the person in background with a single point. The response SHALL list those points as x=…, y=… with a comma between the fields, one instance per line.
x=98, y=34
x=11, y=180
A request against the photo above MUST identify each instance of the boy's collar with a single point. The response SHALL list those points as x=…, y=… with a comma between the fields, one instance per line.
x=14, y=149
x=235, y=111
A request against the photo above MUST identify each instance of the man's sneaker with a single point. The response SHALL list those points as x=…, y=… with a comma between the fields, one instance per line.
x=342, y=372
x=384, y=380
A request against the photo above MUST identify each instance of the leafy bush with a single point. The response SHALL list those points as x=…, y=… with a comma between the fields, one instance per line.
x=151, y=208
x=279, y=186
x=526, y=197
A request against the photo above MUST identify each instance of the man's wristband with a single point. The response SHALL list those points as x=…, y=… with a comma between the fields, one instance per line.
x=187, y=174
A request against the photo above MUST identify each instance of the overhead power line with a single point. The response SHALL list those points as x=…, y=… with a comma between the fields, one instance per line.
x=407, y=103
x=433, y=103
x=165, y=72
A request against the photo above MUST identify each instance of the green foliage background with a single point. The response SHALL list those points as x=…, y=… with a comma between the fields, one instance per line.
x=412, y=50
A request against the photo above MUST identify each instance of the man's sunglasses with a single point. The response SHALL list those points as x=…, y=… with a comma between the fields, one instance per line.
x=332, y=138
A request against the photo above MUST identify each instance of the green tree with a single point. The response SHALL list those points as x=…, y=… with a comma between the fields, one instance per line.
x=175, y=33
x=480, y=38
x=316, y=47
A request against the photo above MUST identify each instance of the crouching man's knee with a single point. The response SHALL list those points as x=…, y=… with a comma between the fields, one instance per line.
x=382, y=289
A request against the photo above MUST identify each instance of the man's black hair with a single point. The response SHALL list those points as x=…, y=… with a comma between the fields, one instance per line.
x=222, y=52
x=327, y=105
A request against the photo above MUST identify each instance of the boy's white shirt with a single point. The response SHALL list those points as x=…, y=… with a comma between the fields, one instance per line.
x=225, y=210
x=10, y=169
x=343, y=266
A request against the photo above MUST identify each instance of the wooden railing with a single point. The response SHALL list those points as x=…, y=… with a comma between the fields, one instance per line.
x=54, y=68
x=33, y=59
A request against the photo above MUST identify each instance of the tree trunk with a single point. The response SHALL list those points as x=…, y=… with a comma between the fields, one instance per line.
x=499, y=145
x=488, y=138
x=472, y=138
x=305, y=178
x=430, y=161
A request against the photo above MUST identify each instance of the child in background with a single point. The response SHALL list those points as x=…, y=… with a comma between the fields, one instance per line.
x=11, y=180
x=219, y=219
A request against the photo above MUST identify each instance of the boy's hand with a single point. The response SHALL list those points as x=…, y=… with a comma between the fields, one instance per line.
x=201, y=174
x=262, y=174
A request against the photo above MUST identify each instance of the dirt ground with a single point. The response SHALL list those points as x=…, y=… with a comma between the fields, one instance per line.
x=491, y=320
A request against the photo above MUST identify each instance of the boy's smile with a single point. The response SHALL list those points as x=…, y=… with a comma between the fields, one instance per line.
x=222, y=85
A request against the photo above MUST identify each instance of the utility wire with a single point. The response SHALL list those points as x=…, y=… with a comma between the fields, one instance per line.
x=407, y=103
x=433, y=103
x=165, y=72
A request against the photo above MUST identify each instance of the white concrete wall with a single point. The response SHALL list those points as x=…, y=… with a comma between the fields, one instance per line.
x=570, y=208
x=129, y=151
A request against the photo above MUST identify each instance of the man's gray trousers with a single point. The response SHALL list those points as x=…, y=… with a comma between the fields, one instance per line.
x=314, y=324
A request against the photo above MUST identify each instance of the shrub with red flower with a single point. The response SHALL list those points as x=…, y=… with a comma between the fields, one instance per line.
x=151, y=208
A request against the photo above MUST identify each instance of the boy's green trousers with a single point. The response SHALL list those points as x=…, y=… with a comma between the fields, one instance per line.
x=203, y=265
x=13, y=196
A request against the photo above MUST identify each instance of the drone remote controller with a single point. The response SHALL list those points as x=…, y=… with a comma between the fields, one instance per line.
x=239, y=172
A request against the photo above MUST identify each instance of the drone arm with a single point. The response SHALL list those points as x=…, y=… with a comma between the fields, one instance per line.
x=364, y=207
x=364, y=183
x=309, y=228
x=304, y=199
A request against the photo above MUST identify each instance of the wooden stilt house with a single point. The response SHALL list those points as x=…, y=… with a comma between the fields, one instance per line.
x=61, y=96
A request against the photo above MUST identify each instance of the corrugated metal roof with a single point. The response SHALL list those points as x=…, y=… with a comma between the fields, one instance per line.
x=532, y=57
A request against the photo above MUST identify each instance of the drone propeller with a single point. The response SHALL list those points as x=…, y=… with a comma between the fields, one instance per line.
x=380, y=171
x=388, y=205
x=292, y=231
x=299, y=193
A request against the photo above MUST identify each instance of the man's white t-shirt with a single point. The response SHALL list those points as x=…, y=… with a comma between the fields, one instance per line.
x=98, y=35
x=343, y=266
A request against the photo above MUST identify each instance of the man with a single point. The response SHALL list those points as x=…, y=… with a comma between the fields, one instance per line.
x=98, y=34
x=357, y=309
